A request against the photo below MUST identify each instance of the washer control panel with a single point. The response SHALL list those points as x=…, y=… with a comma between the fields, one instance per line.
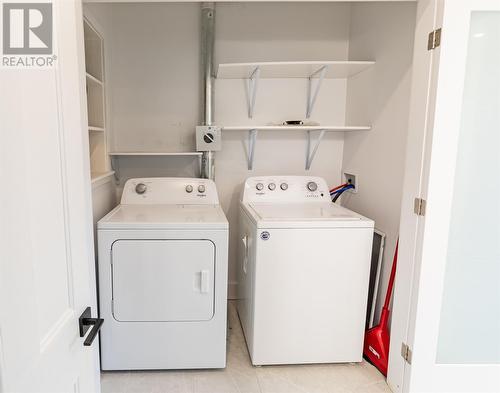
x=169, y=190
x=286, y=189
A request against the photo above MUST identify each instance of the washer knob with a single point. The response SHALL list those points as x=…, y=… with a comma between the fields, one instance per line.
x=271, y=186
x=189, y=188
x=312, y=186
x=140, y=188
x=201, y=188
x=284, y=186
x=259, y=186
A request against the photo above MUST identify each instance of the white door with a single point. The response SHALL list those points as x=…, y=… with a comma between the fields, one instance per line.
x=47, y=277
x=454, y=313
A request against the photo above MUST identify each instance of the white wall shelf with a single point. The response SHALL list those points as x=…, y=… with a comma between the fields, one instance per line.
x=312, y=147
x=99, y=178
x=93, y=79
x=138, y=153
x=297, y=128
x=293, y=69
x=314, y=71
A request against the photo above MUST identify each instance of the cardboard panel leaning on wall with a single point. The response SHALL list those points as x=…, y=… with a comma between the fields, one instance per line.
x=385, y=33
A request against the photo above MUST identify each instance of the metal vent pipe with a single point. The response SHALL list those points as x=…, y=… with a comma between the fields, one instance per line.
x=207, y=58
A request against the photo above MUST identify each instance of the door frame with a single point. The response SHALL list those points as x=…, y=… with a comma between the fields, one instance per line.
x=424, y=71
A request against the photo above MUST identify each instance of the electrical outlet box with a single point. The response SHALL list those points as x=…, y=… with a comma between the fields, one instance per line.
x=208, y=138
x=349, y=178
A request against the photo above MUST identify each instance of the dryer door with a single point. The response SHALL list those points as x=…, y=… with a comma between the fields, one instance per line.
x=163, y=280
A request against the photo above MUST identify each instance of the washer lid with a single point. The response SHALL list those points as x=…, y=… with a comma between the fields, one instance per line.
x=164, y=217
x=306, y=214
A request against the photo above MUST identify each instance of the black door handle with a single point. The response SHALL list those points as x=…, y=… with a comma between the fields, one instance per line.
x=85, y=322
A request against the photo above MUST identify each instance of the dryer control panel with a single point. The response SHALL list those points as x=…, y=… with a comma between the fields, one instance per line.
x=169, y=190
x=286, y=189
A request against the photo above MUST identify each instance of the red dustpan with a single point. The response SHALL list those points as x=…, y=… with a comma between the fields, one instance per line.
x=376, y=347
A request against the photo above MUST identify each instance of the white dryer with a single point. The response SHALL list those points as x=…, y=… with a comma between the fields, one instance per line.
x=163, y=277
x=304, y=266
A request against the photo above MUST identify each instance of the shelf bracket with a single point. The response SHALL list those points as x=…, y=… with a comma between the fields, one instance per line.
x=253, y=81
x=311, y=154
x=311, y=96
x=252, y=139
x=115, y=167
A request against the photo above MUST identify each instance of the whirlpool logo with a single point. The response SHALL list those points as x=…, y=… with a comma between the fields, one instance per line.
x=27, y=35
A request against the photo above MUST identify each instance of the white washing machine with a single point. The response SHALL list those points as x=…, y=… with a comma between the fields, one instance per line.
x=304, y=266
x=163, y=277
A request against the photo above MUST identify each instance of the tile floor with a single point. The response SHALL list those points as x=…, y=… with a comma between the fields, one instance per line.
x=241, y=377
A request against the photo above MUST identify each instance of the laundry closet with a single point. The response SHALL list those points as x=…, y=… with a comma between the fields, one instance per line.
x=185, y=134
x=344, y=69
x=341, y=70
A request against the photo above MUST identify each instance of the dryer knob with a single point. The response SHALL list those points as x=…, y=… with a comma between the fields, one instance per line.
x=189, y=188
x=312, y=186
x=201, y=188
x=259, y=186
x=271, y=186
x=140, y=188
x=284, y=186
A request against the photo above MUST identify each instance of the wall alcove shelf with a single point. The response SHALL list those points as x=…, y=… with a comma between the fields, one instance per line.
x=96, y=111
x=96, y=129
x=115, y=154
x=311, y=70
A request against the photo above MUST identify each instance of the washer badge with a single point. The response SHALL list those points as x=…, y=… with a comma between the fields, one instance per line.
x=265, y=235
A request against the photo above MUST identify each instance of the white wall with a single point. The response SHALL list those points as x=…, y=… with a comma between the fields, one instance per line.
x=382, y=32
x=247, y=32
x=155, y=71
x=154, y=76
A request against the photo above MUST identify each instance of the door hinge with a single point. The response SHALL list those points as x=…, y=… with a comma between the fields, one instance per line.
x=406, y=353
x=419, y=206
x=434, y=39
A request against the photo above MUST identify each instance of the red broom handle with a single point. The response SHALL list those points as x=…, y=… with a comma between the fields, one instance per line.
x=393, y=276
